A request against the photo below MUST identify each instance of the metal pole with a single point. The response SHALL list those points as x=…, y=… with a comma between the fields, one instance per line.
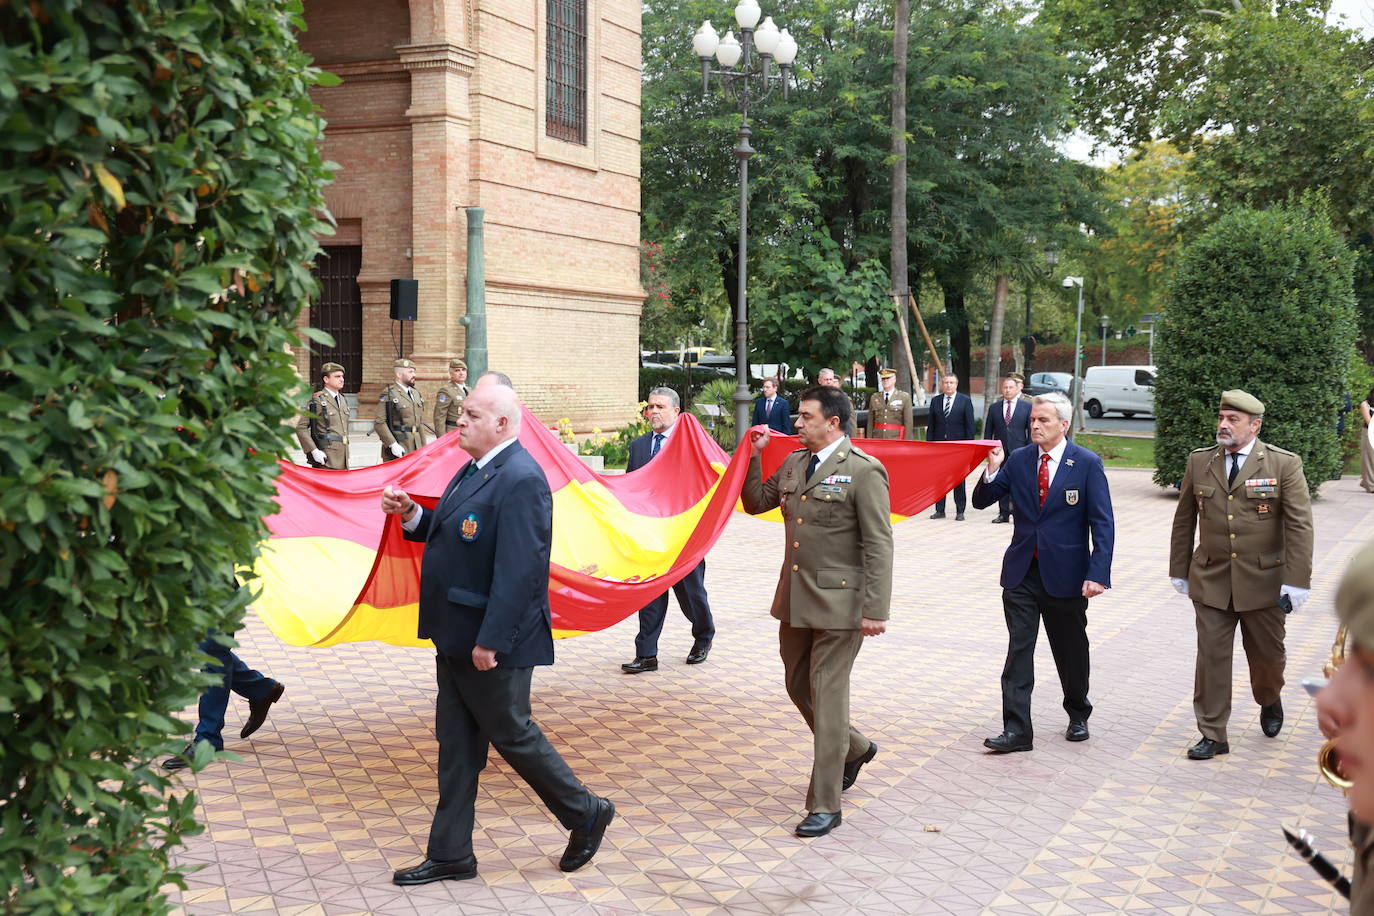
x=1025, y=341
x=475, y=321
x=1078, y=363
x=741, y=397
x=1104, y=343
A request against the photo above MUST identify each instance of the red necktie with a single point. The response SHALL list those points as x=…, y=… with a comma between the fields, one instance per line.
x=1008, y=414
x=1044, y=478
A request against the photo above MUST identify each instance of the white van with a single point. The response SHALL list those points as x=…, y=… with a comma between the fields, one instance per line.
x=1128, y=390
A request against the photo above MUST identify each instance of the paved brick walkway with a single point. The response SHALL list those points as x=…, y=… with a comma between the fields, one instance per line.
x=708, y=765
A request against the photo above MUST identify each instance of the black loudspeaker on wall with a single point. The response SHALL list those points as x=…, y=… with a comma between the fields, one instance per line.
x=405, y=299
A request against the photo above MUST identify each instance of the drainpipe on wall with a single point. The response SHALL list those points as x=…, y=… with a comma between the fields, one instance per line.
x=475, y=351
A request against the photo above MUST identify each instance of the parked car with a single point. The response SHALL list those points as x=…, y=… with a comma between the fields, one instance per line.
x=1045, y=382
x=1128, y=390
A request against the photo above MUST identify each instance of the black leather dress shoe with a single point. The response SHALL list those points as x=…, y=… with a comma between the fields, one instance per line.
x=1005, y=743
x=959, y=517
x=181, y=760
x=818, y=823
x=257, y=710
x=1077, y=731
x=852, y=767
x=1271, y=718
x=698, y=653
x=431, y=870
x=1206, y=749
x=937, y=515
x=583, y=843
x=641, y=664
x=1000, y=520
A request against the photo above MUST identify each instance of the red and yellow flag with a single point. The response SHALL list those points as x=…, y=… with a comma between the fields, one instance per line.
x=336, y=569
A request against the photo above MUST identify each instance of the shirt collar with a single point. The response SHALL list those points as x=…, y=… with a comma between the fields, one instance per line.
x=1057, y=453
x=665, y=433
x=829, y=450
x=496, y=450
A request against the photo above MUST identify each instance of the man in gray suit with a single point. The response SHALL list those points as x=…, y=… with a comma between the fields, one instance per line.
x=835, y=586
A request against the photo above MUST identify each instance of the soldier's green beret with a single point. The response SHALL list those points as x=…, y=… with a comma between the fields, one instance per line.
x=403, y=364
x=330, y=367
x=1355, y=597
x=457, y=364
x=1235, y=399
x=886, y=373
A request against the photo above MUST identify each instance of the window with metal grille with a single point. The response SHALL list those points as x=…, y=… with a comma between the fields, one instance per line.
x=565, y=65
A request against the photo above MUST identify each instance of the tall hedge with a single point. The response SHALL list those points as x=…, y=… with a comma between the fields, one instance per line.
x=1263, y=301
x=160, y=189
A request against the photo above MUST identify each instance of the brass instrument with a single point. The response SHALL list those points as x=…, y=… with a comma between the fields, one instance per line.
x=1328, y=758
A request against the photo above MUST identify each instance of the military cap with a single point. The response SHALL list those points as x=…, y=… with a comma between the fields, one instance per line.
x=1235, y=399
x=1016, y=376
x=403, y=364
x=457, y=364
x=330, y=367
x=1355, y=597
x=886, y=373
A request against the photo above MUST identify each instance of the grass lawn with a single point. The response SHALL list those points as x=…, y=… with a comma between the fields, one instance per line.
x=1120, y=451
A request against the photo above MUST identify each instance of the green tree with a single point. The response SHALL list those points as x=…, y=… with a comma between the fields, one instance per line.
x=159, y=197
x=1263, y=301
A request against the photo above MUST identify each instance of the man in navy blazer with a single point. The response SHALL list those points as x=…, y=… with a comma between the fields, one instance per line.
x=1050, y=569
x=484, y=601
x=951, y=419
x=771, y=410
x=661, y=410
x=1008, y=421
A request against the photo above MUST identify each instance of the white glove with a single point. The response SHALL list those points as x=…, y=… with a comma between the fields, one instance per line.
x=1180, y=586
x=1295, y=594
x=397, y=450
x=318, y=455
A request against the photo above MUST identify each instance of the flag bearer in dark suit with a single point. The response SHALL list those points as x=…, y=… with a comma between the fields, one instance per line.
x=400, y=413
x=1060, y=556
x=835, y=587
x=484, y=600
x=771, y=410
x=951, y=419
x=889, y=410
x=1249, y=504
x=661, y=410
x=1009, y=421
x=323, y=429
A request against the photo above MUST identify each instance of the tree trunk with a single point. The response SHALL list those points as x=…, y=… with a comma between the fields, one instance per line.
x=958, y=334
x=993, y=369
x=901, y=289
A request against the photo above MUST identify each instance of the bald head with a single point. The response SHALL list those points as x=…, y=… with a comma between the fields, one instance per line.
x=491, y=415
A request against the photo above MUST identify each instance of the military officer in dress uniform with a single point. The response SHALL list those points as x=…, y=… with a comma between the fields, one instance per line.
x=1020, y=381
x=889, y=410
x=400, y=413
x=1249, y=504
x=448, y=402
x=835, y=587
x=323, y=428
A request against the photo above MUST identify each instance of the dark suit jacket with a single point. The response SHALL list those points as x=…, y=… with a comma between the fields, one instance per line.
x=641, y=450
x=779, y=419
x=484, y=576
x=959, y=424
x=1012, y=436
x=1077, y=505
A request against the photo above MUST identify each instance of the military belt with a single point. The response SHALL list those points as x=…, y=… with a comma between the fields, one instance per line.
x=330, y=437
x=888, y=426
x=403, y=429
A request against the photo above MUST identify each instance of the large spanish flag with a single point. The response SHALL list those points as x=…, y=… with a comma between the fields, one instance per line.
x=336, y=569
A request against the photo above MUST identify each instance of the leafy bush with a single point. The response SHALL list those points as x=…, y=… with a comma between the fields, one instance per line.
x=1263, y=300
x=615, y=450
x=719, y=421
x=676, y=379
x=159, y=190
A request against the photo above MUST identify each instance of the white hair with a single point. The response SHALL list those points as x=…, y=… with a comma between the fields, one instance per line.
x=1061, y=404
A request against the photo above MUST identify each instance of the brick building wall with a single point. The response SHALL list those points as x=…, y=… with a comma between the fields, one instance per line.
x=442, y=108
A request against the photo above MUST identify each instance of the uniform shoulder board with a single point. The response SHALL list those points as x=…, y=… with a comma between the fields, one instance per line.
x=1205, y=448
x=798, y=451
x=1281, y=451
x=859, y=453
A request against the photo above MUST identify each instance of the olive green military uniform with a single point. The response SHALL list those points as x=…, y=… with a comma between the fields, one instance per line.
x=448, y=407
x=1254, y=536
x=893, y=412
x=400, y=413
x=836, y=570
x=324, y=426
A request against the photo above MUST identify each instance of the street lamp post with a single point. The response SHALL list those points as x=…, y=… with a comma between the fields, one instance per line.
x=746, y=81
x=1103, y=321
x=1077, y=425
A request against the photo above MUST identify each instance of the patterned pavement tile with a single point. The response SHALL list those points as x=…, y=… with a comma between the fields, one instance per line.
x=708, y=764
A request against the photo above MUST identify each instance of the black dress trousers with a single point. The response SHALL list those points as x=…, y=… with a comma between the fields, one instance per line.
x=1066, y=626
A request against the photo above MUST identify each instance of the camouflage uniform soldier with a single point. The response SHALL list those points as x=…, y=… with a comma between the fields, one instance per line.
x=889, y=410
x=400, y=413
x=323, y=427
x=448, y=403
